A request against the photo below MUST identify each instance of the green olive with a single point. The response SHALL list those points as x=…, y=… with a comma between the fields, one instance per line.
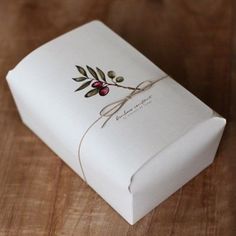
x=119, y=79
x=111, y=74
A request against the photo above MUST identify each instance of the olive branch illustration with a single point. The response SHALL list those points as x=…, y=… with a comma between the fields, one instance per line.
x=99, y=81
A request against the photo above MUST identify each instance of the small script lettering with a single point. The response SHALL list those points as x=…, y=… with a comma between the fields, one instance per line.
x=137, y=107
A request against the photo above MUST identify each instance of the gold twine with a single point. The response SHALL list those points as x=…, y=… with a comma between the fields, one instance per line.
x=111, y=109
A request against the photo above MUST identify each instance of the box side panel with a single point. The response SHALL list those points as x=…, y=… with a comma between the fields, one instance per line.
x=175, y=166
x=33, y=119
x=116, y=195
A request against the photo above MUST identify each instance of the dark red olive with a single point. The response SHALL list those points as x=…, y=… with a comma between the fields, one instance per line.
x=104, y=91
x=97, y=84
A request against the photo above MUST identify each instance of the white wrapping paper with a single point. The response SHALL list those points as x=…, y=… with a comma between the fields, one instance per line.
x=158, y=140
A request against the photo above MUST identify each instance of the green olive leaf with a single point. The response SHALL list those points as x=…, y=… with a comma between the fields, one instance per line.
x=92, y=72
x=82, y=70
x=79, y=79
x=119, y=79
x=84, y=85
x=101, y=73
x=91, y=93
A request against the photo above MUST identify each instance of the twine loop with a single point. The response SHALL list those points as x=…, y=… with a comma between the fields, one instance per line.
x=111, y=109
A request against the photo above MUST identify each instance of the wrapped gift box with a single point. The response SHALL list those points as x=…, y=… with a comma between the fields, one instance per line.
x=123, y=125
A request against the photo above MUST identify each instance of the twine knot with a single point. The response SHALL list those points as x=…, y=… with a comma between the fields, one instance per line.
x=111, y=109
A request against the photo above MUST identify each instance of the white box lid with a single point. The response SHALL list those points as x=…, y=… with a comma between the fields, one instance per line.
x=144, y=126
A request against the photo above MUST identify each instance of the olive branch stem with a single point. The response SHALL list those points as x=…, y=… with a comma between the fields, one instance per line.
x=121, y=86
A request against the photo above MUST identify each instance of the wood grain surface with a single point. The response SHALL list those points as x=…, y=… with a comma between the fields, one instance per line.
x=194, y=41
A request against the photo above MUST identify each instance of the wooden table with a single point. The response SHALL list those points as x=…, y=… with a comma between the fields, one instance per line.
x=194, y=41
